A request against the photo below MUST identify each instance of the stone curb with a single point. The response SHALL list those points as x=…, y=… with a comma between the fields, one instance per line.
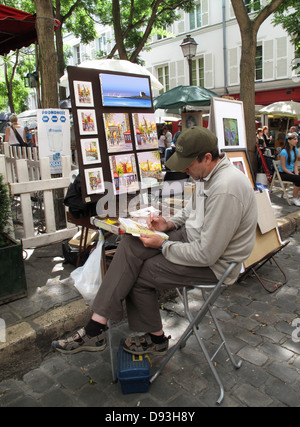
x=27, y=343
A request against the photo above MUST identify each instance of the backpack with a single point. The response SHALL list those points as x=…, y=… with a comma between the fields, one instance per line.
x=73, y=200
x=19, y=138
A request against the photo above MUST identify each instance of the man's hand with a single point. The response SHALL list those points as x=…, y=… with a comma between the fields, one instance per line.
x=159, y=223
x=151, y=240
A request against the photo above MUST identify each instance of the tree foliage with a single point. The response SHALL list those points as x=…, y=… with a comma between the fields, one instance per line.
x=288, y=15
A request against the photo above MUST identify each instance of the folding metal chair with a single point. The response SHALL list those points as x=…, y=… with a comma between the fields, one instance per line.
x=210, y=294
x=283, y=185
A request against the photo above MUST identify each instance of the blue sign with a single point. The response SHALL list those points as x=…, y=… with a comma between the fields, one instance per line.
x=54, y=119
x=45, y=119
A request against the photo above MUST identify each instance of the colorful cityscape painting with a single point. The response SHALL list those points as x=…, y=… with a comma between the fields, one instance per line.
x=124, y=173
x=83, y=94
x=150, y=168
x=94, y=181
x=117, y=132
x=90, y=151
x=145, y=131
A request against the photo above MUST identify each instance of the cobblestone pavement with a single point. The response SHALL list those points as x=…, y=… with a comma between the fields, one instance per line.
x=257, y=324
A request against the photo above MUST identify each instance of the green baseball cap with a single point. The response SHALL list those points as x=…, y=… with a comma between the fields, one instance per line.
x=191, y=143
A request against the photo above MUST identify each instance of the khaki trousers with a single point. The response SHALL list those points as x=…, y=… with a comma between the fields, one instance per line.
x=135, y=274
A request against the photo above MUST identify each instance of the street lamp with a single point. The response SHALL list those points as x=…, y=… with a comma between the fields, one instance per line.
x=189, y=47
x=31, y=79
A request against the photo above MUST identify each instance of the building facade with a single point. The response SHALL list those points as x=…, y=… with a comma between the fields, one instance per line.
x=213, y=26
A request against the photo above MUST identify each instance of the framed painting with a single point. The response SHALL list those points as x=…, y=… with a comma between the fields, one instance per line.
x=145, y=131
x=83, y=93
x=228, y=123
x=191, y=119
x=150, y=168
x=125, y=91
x=117, y=132
x=239, y=158
x=90, y=151
x=94, y=181
x=87, y=122
x=124, y=173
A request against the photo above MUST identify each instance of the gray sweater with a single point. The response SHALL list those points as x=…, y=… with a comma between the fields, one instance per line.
x=220, y=220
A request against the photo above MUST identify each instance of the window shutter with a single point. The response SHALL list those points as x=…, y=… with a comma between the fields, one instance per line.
x=208, y=68
x=281, y=58
x=268, y=60
x=205, y=13
x=233, y=66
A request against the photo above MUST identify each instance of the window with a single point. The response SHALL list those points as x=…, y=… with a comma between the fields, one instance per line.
x=195, y=17
x=164, y=78
x=199, y=16
x=102, y=44
x=259, y=63
x=77, y=54
x=198, y=72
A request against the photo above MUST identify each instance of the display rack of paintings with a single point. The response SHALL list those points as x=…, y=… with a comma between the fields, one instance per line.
x=115, y=131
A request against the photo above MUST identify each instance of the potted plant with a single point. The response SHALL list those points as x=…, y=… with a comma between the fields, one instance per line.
x=12, y=272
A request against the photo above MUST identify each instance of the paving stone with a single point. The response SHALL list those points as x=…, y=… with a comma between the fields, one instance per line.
x=251, y=396
x=38, y=381
x=253, y=355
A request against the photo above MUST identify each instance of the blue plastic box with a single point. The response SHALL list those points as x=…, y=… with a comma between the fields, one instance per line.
x=133, y=372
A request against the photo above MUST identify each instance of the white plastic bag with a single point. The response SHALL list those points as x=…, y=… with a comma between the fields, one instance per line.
x=88, y=278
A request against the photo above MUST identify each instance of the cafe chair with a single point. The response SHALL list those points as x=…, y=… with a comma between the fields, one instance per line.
x=210, y=295
x=282, y=185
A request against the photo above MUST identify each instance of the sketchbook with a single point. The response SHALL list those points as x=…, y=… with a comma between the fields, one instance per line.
x=136, y=229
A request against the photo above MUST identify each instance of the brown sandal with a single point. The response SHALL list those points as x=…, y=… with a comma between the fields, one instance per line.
x=143, y=344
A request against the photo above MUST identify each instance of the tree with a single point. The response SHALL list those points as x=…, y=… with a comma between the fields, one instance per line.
x=249, y=29
x=76, y=17
x=47, y=53
x=134, y=21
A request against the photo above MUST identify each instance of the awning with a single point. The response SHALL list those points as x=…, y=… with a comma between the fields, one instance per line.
x=17, y=29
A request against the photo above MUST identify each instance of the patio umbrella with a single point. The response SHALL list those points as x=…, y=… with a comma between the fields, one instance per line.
x=17, y=29
x=119, y=65
x=287, y=109
x=181, y=96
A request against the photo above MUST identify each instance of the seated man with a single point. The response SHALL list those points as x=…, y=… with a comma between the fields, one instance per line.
x=216, y=227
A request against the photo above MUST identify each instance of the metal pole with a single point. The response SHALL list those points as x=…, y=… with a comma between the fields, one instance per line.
x=190, y=71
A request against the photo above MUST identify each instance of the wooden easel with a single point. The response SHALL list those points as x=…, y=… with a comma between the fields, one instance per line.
x=267, y=244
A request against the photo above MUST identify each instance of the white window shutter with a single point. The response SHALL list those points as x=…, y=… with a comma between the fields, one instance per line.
x=208, y=71
x=233, y=67
x=281, y=58
x=173, y=77
x=205, y=13
x=268, y=60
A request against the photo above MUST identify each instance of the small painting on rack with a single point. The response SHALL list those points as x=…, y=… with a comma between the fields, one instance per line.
x=90, y=151
x=83, y=94
x=94, y=181
x=87, y=122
